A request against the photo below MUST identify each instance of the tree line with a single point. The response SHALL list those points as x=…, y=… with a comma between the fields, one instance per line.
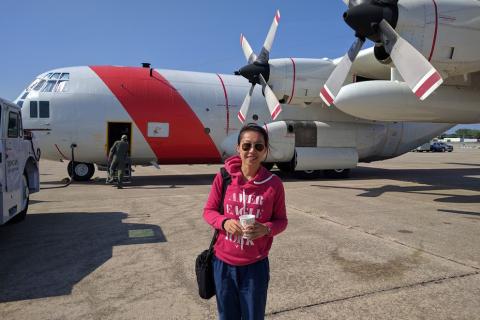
x=464, y=133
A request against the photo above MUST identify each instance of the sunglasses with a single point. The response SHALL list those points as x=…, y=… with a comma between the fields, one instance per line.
x=258, y=146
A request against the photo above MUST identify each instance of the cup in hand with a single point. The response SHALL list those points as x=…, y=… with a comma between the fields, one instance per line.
x=245, y=221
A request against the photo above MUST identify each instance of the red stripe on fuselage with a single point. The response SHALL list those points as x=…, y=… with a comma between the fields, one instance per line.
x=154, y=99
x=434, y=41
x=293, y=83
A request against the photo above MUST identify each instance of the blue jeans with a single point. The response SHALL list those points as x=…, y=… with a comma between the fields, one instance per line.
x=241, y=291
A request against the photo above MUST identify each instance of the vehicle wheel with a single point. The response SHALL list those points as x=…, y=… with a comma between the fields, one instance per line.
x=267, y=165
x=337, y=173
x=81, y=171
x=307, y=174
x=25, y=199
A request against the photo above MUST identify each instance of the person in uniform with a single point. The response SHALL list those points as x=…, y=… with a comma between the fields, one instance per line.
x=118, y=157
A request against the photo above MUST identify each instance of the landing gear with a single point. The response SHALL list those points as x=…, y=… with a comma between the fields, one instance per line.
x=307, y=174
x=267, y=165
x=80, y=171
x=286, y=167
x=289, y=168
x=337, y=173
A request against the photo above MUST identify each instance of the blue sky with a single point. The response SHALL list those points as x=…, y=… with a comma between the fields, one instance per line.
x=186, y=35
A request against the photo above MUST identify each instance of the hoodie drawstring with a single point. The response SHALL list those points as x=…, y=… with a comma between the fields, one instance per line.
x=244, y=210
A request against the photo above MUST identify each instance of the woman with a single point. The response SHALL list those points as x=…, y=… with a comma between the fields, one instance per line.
x=241, y=268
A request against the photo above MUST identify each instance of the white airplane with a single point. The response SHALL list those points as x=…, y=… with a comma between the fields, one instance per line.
x=179, y=117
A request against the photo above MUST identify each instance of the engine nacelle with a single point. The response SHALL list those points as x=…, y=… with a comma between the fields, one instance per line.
x=298, y=81
x=394, y=101
x=446, y=32
x=308, y=145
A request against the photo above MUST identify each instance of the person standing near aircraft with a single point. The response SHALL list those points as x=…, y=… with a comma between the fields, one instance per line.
x=118, y=158
x=240, y=263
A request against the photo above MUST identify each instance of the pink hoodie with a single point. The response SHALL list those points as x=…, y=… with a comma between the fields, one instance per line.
x=263, y=196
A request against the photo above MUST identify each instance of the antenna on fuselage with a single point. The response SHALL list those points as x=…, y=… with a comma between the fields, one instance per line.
x=147, y=65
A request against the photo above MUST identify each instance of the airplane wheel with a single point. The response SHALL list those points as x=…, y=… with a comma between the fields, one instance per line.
x=337, y=173
x=286, y=167
x=25, y=199
x=307, y=174
x=81, y=171
x=267, y=165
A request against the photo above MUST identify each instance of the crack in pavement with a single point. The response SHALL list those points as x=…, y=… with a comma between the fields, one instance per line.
x=371, y=293
x=381, y=237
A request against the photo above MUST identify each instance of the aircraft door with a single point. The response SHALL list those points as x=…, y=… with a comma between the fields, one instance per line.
x=115, y=130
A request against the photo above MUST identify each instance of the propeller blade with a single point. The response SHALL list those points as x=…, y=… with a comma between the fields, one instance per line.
x=267, y=45
x=242, y=113
x=336, y=79
x=414, y=68
x=247, y=50
x=272, y=102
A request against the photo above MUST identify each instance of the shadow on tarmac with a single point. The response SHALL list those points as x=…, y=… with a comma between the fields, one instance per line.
x=166, y=181
x=47, y=254
x=468, y=213
x=438, y=182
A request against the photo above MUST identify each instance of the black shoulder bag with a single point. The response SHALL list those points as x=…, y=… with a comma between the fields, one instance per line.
x=203, y=263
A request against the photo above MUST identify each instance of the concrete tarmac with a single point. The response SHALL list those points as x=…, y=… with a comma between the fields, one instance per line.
x=399, y=239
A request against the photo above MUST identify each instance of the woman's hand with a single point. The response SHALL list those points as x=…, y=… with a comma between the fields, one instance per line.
x=256, y=231
x=232, y=226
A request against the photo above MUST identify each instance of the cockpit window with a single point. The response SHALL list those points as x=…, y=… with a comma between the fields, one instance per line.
x=44, y=109
x=32, y=85
x=51, y=82
x=49, y=86
x=33, y=109
x=62, y=86
x=39, y=85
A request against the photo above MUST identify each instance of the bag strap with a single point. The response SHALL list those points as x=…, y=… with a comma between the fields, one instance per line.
x=226, y=180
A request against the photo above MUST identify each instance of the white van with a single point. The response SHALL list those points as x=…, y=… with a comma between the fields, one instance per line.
x=19, y=172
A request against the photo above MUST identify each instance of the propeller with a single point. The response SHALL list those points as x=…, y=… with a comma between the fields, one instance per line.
x=257, y=71
x=375, y=20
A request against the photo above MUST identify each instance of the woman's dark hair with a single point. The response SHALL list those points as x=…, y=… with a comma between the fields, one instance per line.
x=253, y=127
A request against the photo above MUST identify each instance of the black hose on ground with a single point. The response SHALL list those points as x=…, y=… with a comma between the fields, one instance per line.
x=67, y=181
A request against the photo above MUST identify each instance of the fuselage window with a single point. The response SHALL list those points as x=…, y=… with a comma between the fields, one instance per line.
x=33, y=109
x=44, y=109
x=12, y=125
